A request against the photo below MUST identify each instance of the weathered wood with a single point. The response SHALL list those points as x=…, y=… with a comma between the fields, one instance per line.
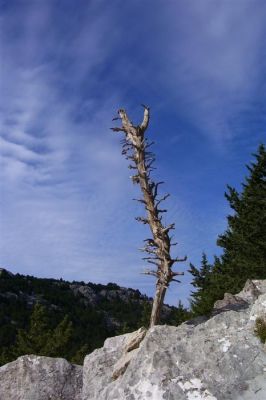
x=135, y=148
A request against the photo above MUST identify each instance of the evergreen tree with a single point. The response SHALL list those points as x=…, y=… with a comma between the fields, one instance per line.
x=145, y=315
x=5, y=356
x=243, y=242
x=79, y=356
x=201, y=281
x=40, y=339
x=209, y=282
x=34, y=339
x=57, y=344
x=179, y=314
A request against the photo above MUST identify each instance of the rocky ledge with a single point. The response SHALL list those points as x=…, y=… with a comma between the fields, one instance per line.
x=215, y=359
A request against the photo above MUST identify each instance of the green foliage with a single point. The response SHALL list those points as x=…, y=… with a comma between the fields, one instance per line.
x=47, y=317
x=57, y=345
x=80, y=354
x=18, y=294
x=243, y=242
x=201, y=299
x=5, y=356
x=34, y=339
x=40, y=339
x=260, y=329
x=125, y=328
x=178, y=315
x=146, y=314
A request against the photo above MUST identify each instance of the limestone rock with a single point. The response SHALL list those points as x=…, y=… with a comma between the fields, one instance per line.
x=229, y=302
x=99, y=365
x=218, y=359
x=129, y=351
x=135, y=339
x=248, y=295
x=123, y=362
x=259, y=308
x=40, y=378
x=252, y=290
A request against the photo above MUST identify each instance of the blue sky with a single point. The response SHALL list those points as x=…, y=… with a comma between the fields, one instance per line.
x=66, y=67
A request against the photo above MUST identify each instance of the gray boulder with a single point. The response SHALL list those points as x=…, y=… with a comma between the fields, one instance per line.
x=40, y=378
x=100, y=365
x=218, y=359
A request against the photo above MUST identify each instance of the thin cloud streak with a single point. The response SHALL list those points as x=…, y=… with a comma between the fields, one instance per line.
x=217, y=62
x=65, y=197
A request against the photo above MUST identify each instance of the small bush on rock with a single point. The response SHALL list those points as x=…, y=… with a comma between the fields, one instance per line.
x=260, y=329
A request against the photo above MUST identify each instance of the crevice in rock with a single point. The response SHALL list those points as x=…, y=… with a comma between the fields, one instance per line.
x=130, y=349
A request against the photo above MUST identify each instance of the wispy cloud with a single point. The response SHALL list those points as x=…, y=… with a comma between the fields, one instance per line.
x=216, y=63
x=61, y=176
x=65, y=195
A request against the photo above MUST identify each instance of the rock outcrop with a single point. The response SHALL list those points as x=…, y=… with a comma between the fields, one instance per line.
x=40, y=378
x=220, y=359
x=216, y=359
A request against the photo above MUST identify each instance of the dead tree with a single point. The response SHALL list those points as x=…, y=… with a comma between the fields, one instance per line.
x=136, y=148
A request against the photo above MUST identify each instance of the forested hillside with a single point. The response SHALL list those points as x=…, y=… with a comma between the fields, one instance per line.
x=243, y=243
x=58, y=318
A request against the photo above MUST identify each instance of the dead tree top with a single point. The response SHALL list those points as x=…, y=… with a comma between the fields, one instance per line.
x=136, y=148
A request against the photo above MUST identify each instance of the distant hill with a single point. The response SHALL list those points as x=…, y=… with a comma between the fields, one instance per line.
x=96, y=311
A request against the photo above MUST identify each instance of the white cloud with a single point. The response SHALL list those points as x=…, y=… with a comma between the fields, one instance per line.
x=214, y=63
x=61, y=178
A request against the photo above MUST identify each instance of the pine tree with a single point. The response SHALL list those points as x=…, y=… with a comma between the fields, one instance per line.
x=5, y=356
x=201, y=281
x=243, y=243
x=34, y=339
x=180, y=314
x=39, y=339
x=145, y=315
x=79, y=356
x=57, y=344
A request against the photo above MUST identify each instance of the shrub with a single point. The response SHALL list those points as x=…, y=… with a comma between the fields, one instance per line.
x=260, y=329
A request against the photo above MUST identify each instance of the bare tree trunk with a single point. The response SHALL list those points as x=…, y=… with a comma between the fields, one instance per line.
x=157, y=304
x=135, y=147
